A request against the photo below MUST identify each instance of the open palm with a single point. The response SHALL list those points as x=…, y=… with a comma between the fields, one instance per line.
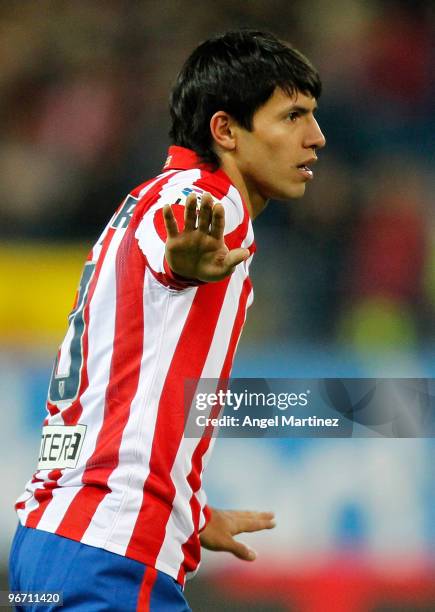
x=199, y=251
x=219, y=533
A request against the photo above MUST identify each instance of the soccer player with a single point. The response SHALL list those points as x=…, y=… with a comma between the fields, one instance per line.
x=115, y=514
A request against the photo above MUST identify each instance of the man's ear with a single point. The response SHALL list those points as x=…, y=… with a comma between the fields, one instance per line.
x=222, y=129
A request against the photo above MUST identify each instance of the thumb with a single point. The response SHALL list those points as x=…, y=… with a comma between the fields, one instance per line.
x=236, y=256
x=241, y=551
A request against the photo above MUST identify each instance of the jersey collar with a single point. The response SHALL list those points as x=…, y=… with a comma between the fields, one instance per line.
x=181, y=158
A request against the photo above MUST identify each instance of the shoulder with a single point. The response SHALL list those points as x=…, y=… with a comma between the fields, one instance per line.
x=215, y=183
x=174, y=187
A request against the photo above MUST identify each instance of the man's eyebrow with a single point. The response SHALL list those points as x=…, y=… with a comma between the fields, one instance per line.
x=302, y=110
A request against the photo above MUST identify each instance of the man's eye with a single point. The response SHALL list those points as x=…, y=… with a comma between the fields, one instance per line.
x=293, y=116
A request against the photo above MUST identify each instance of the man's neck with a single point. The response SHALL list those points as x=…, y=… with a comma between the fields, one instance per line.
x=254, y=201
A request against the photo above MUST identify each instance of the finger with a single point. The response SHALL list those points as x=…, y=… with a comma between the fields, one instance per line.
x=190, y=213
x=234, y=257
x=170, y=221
x=205, y=213
x=247, y=525
x=241, y=551
x=217, y=221
x=252, y=514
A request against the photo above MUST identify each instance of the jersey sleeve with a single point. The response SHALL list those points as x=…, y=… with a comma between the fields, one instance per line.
x=151, y=232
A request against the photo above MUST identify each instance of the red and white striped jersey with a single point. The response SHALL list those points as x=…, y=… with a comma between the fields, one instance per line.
x=115, y=470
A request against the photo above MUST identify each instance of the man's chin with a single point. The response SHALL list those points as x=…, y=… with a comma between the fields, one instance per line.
x=290, y=193
x=296, y=192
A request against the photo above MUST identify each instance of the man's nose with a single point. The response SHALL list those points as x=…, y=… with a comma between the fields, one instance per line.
x=315, y=139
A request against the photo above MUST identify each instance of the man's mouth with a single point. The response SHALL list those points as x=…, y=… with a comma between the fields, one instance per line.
x=304, y=168
x=305, y=171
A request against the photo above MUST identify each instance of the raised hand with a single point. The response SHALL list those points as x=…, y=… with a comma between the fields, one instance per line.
x=200, y=252
x=225, y=524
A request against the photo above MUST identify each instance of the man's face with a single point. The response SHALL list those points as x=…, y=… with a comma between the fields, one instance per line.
x=274, y=156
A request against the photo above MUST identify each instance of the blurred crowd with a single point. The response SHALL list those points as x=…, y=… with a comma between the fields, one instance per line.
x=84, y=105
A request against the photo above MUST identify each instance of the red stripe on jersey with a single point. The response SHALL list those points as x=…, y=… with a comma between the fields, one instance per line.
x=52, y=409
x=218, y=190
x=148, y=199
x=124, y=378
x=192, y=548
x=217, y=184
x=187, y=362
x=159, y=221
x=234, y=239
x=43, y=497
x=148, y=581
x=237, y=328
x=22, y=505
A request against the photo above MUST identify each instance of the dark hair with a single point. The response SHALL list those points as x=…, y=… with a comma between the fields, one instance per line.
x=236, y=72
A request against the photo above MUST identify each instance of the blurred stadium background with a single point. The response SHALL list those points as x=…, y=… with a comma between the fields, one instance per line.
x=344, y=279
